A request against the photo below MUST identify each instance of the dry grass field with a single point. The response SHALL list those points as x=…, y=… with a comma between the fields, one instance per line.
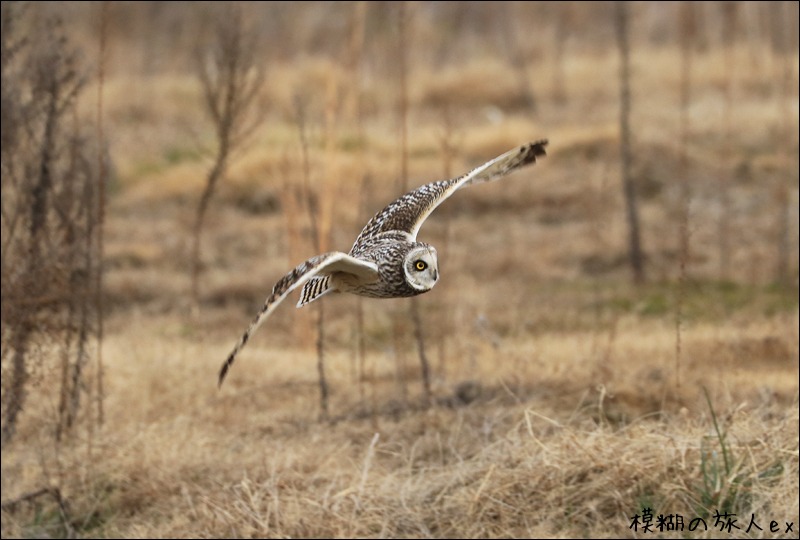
x=564, y=398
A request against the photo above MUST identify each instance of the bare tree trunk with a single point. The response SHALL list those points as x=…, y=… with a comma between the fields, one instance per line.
x=79, y=307
x=447, y=146
x=312, y=209
x=361, y=342
x=402, y=105
x=353, y=62
x=631, y=205
x=787, y=28
x=324, y=392
x=15, y=391
x=687, y=34
x=398, y=332
x=361, y=353
x=563, y=18
x=353, y=110
x=516, y=56
x=101, y=209
x=416, y=319
x=723, y=223
x=402, y=114
x=423, y=358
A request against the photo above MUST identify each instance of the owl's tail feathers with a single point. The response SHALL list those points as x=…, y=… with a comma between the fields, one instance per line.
x=315, y=288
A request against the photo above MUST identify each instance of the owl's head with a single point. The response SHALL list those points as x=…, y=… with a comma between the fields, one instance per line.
x=421, y=267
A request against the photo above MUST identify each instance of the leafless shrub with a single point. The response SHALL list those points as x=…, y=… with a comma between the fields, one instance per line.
x=49, y=219
x=231, y=76
x=13, y=505
x=687, y=23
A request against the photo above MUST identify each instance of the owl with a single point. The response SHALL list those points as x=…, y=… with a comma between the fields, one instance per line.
x=386, y=260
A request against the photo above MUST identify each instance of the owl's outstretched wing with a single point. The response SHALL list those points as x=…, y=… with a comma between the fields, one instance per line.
x=407, y=213
x=334, y=261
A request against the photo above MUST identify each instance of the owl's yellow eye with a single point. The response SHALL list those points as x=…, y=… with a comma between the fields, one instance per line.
x=420, y=265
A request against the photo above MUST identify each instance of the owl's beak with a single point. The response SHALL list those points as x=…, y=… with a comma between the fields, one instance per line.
x=435, y=275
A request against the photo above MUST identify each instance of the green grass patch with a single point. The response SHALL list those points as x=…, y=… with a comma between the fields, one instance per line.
x=700, y=300
x=180, y=154
x=727, y=477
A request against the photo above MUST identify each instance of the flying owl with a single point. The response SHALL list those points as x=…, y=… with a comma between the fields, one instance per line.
x=386, y=260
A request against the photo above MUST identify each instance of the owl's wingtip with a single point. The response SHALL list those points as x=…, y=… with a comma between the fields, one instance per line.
x=533, y=150
x=538, y=146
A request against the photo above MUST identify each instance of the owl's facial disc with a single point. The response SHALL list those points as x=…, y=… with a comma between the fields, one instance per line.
x=421, y=268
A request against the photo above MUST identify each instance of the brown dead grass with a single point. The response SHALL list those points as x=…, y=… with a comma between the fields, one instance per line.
x=558, y=441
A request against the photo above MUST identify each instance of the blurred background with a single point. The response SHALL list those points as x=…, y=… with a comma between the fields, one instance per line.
x=165, y=163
